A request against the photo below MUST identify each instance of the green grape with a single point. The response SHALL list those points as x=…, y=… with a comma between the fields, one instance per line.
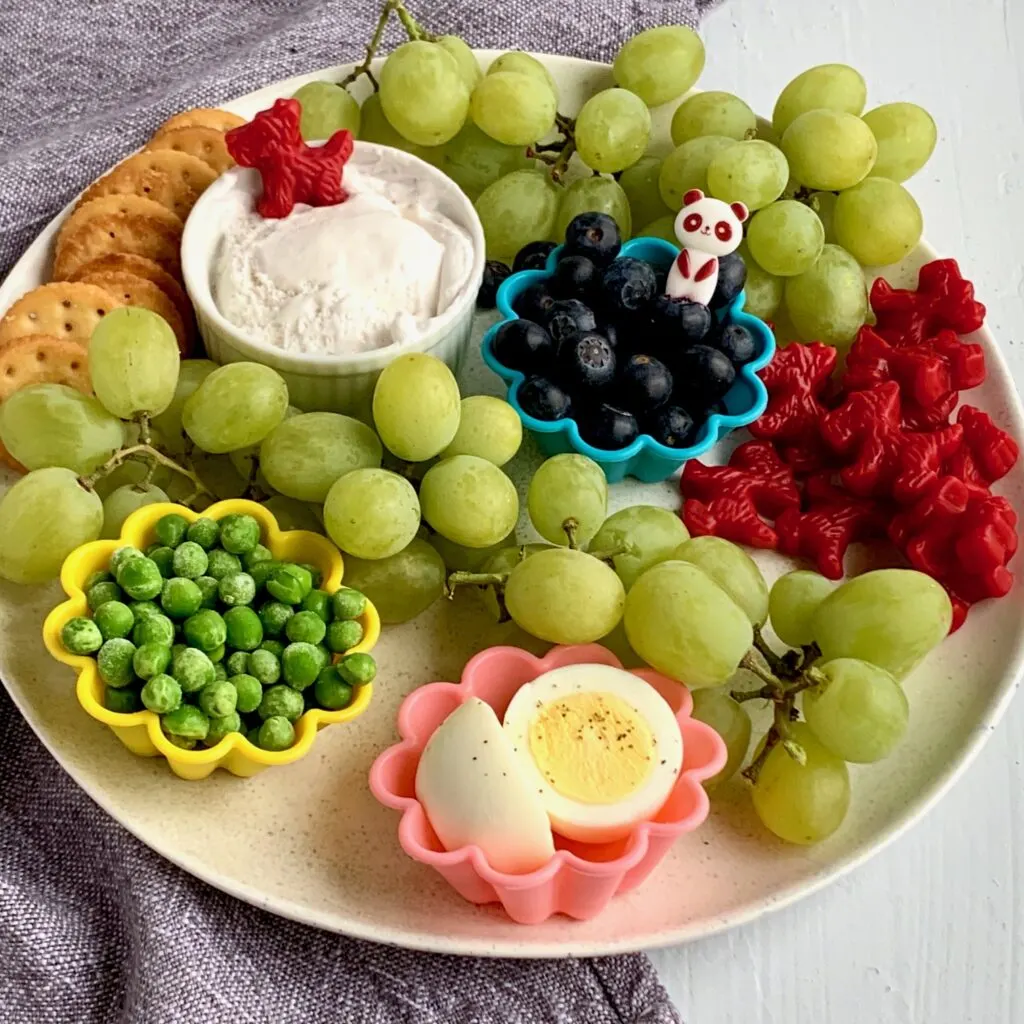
x=120, y=504
x=502, y=562
x=235, y=406
x=663, y=227
x=683, y=624
x=488, y=428
x=459, y=558
x=473, y=160
x=133, y=362
x=470, y=501
x=826, y=87
x=54, y=425
x=564, y=596
x=640, y=183
x=375, y=127
x=762, y=291
x=416, y=406
x=660, y=64
x=859, y=712
x=465, y=58
x=877, y=222
x=686, y=167
x=523, y=63
x=293, y=515
x=513, y=108
x=766, y=132
x=828, y=149
x=568, y=487
x=191, y=373
x=716, y=708
x=829, y=302
x=401, y=586
x=422, y=93
x=712, y=113
x=518, y=208
x=132, y=471
x=802, y=803
x=650, y=535
x=246, y=459
x=217, y=473
x=594, y=194
x=733, y=570
x=372, y=513
x=906, y=136
x=303, y=456
x=612, y=130
x=824, y=205
x=326, y=109
x=43, y=518
x=753, y=173
x=890, y=617
x=793, y=600
x=785, y=238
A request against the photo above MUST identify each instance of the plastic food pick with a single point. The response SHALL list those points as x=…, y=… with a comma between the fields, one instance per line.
x=292, y=171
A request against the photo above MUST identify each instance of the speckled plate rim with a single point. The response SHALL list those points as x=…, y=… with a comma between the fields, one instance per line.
x=928, y=796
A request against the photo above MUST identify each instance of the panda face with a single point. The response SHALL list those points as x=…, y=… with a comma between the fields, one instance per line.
x=709, y=224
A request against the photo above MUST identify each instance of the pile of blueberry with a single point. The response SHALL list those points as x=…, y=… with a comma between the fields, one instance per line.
x=600, y=342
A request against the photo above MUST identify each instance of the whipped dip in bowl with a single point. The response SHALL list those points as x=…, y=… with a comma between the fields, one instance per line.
x=329, y=295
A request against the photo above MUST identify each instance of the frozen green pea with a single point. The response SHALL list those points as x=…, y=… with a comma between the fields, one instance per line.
x=144, y=609
x=221, y=727
x=163, y=558
x=357, y=669
x=81, y=636
x=244, y=629
x=114, y=662
x=257, y=555
x=96, y=577
x=183, y=742
x=181, y=597
x=192, y=669
x=323, y=654
x=186, y=721
x=100, y=593
x=121, y=702
x=151, y=660
x=223, y=563
x=170, y=529
x=274, y=615
x=281, y=700
x=205, y=629
x=219, y=671
x=239, y=534
x=248, y=692
x=190, y=560
x=237, y=663
x=253, y=735
x=158, y=629
x=275, y=647
x=343, y=635
x=237, y=590
x=289, y=583
x=318, y=602
x=218, y=699
x=264, y=666
x=331, y=691
x=123, y=554
x=261, y=571
x=276, y=733
x=113, y=619
x=305, y=627
x=300, y=663
x=203, y=532
x=217, y=654
x=315, y=575
x=140, y=578
x=176, y=649
x=161, y=694
x=348, y=604
x=208, y=589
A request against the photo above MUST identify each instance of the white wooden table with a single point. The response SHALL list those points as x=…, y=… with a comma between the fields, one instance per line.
x=932, y=930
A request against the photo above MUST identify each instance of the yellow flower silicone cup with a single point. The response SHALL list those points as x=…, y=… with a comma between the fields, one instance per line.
x=140, y=731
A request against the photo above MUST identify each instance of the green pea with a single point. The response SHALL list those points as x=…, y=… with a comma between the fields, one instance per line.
x=253, y=735
x=248, y=692
x=205, y=629
x=176, y=650
x=96, y=577
x=218, y=699
x=276, y=733
x=315, y=575
x=123, y=554
x=323, y=655
x=192, y=669
x=156, y=630
x=343, y=635
x=144, y=610
x=318, y=602
x=348, y=604
x=275, y=647
x=239, y=534
x=204, y=532
x=264, y=666
x=163, y=557
x=190, y=560
x=237, y=662
x=281, y=700
x=289, y=583
x=237, y=590
x=331, y=691
x=171, y=529
x=223, y=563
x=261, y=571
x=113, y=619
x=81, y=636
x=257, y=555
x=301, y=664
x=186, y=721
x=184, y=742
x=181, y=597
x=219, y=671
x=98, y=595
x=161, y=694
x=151, y=660
x=274, y=615
x=357, y=669
x=244, y=629
x=305, y=627
x=122, y=702
x=217, y=654
x=114, y=662
x=208, y=589
x=140, y=578
x=221, y=727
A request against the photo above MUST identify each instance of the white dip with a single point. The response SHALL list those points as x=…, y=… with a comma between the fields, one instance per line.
x=372, y=271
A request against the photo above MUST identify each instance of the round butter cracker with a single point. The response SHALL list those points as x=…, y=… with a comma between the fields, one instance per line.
x=119, y=232
x=174, y=180
x=64, y=309
x=118, y=203
x=207, y=144
x=201, y=117
x=139, y=266
x=41, y=359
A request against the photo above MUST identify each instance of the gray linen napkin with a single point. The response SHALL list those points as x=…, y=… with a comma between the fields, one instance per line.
x=94, y=927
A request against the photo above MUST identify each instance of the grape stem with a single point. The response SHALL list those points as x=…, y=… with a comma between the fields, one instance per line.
x=775, y=663
x=570, y=527
x=775, y=735
x=143, y=452
x=414, y=30
x=371, y=49
x=561, y=165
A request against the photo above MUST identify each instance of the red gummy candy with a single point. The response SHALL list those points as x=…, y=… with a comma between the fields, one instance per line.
x=923, y=376
x=987, y=453
x=795, y=380
x=292, y=172
x=729, y=501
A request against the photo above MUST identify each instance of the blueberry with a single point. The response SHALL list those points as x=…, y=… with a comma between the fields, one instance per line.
x=495, y=273
x=534, y=301
x=532, y=256
x=680, y=323
x=661, y=278
x=732, y=276
x=703, y=375
x=737, y=343
x=569, y=316
x=609, y=428
x=523, y=345
x=612, y=334
x=646, y=383
x=595, y=235
x=543, y=400
x=672, y=426
x=586, y=360
x=574, y=275
x=628, y=285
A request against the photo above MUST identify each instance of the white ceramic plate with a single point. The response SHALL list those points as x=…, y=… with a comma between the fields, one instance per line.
x=310, y=843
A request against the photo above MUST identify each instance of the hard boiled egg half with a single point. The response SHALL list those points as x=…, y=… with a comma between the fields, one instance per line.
x=599, y=746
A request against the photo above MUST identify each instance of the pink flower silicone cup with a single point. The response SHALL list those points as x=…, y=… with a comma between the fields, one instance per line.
x=581, y=878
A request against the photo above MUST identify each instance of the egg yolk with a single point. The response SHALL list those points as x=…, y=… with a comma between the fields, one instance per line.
x=592, y=747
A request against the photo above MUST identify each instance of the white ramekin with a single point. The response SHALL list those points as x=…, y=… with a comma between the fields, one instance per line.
x=336, y=383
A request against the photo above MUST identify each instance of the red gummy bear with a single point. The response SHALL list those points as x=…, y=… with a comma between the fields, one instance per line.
x=729, y=501
x=292, y=172
x=987, y=453
x=795, y=379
